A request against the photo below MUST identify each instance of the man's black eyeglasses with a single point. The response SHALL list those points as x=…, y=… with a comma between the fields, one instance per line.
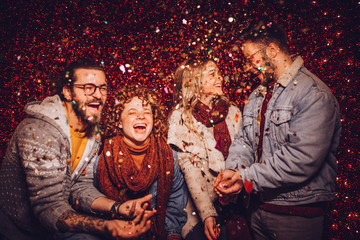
x=90, y=88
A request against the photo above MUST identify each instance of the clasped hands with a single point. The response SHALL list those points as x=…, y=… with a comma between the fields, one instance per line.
x=227, y=185
x=132, y=208
x=139, y=212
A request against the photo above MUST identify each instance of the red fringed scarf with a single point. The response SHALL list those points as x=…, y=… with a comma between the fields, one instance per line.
x=120, y=180
x=215, y=117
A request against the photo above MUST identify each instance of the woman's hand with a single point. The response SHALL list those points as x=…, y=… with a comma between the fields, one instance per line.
x=132, y=208
x=228, y=183
x=212, y=231
x=130, y=229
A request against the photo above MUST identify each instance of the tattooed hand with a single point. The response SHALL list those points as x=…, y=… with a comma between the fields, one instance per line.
x=72, y=221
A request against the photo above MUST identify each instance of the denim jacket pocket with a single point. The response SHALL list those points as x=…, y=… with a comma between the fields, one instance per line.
x=279, y=124
x=248, y=127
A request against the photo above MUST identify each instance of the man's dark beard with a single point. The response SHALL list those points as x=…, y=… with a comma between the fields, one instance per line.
x=268, y=78
x=82, y=115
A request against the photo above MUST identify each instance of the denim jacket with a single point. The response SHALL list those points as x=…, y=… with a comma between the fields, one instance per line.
x=175, y=216
x=301, y=134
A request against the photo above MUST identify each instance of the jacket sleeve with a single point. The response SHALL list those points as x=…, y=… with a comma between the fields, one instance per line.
x=198, y=186
x=175, y=216
x=45, y=161
x=241, y=151
x=306, y=144
x=83, y=190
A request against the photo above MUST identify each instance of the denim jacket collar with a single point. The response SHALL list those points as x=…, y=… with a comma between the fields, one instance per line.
x=285, y=78
x=290, y=73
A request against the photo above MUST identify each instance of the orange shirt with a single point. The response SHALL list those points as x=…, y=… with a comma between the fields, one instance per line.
x=78, y=144
x=137, y=152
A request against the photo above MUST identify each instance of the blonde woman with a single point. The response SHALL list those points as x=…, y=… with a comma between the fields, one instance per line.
x=201, y=128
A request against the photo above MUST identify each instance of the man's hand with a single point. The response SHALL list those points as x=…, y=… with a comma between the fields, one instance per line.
x=130, y=229
x=212, y=231
x=132, y=208
x=71, y=221
x=228, y=183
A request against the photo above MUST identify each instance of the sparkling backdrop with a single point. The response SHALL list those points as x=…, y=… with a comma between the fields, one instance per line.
x=142, y=42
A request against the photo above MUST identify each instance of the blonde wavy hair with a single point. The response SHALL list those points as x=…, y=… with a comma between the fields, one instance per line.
x=188, y=81
x=125, y=95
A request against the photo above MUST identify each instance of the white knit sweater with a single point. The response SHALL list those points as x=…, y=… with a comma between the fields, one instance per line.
x=200, y=162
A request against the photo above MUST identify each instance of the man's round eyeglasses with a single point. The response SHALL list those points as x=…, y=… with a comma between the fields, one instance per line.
x=90, y=88
x=250, y=57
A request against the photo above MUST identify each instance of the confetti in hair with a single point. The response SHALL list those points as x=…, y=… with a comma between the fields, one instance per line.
x=142, y=43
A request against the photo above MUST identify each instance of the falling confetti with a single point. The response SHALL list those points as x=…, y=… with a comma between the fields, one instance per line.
x=143, y=42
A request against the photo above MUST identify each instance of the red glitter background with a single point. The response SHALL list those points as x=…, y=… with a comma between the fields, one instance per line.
x=142, y=42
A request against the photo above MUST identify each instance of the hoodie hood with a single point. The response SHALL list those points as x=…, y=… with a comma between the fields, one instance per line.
x=52, y=111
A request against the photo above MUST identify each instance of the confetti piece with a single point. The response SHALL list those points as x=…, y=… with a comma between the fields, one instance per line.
x=154, y=38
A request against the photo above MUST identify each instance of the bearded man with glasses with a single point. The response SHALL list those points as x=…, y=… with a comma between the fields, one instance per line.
x=46, y=178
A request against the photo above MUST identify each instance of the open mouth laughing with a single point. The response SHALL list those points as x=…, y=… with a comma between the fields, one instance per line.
x=94, y=105
x=140, y=127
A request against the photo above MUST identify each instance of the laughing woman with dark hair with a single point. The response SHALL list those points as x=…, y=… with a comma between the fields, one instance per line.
x=136, y=161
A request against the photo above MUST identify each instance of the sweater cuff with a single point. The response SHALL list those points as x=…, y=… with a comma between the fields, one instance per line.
x=211, y=212
x=87, y=201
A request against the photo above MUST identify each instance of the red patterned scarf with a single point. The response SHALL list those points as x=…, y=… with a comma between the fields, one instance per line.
x=121, y=180
x=215, y=117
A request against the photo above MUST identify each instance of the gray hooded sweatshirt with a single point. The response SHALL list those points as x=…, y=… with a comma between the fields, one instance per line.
x=36, y=182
